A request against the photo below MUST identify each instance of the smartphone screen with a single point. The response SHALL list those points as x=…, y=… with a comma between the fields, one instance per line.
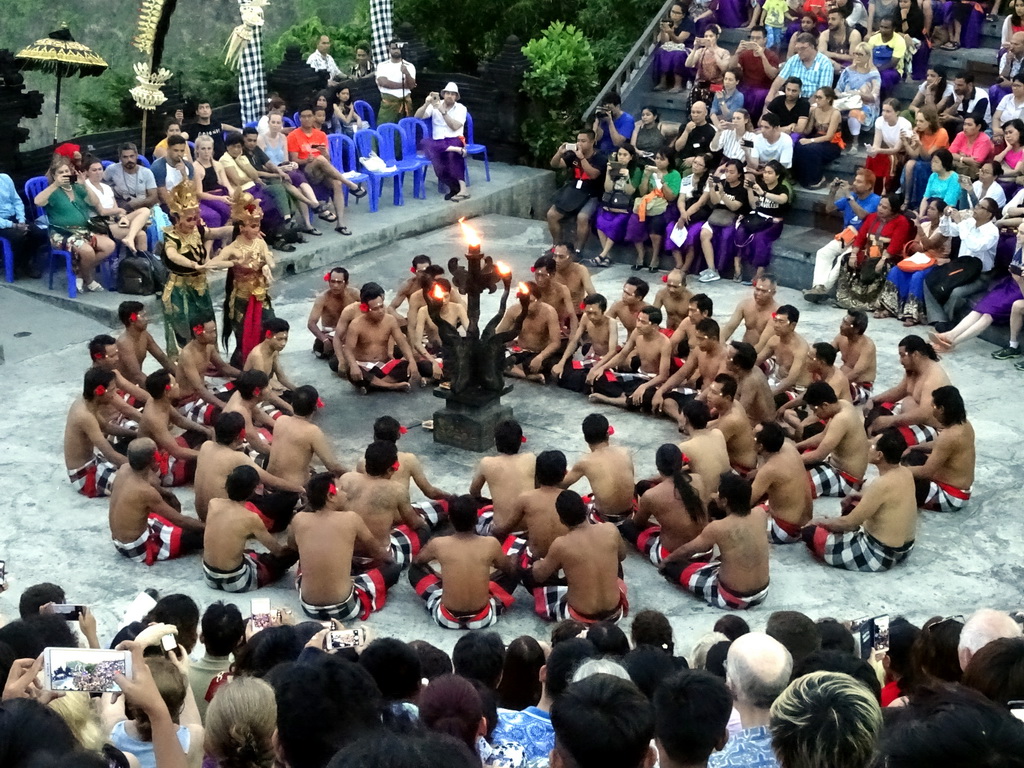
x=168, y=643
x=880, y=633
x=861, y=629
x=84, y=669
x=260, y=608
x=344, y=638
x=68, y=612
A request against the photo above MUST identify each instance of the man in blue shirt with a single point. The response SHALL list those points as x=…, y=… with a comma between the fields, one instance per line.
x=612, y=126
x=757, y=670
x=855, y=201
x=26, y=241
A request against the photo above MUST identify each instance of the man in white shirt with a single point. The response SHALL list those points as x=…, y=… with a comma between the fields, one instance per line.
x=396, y=79
x=446, y=148
x=979, y=237
x=322, y=61
x=770, y=144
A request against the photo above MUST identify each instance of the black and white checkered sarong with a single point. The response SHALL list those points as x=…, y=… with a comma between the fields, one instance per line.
x=252, y=83
x=827, y=480
x=380, y=28
x=854, y=550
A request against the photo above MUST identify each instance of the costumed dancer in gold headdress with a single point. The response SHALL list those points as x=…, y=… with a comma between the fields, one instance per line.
x=247, y=299
x=186, y=296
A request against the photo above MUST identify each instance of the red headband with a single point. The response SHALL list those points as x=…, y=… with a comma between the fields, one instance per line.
x=402, y=430
x=100, y=391
x=270, y=334
x=413, y=270
x=332, y=490
x=395, y=466
x=664, y=278
x=611, y=430
x=533, y=269
x=327, y=277
x=133, y=316
x=198, y=328
x=364, y=307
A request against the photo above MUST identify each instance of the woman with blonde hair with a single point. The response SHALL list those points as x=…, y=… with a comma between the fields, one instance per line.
x=76, y=709
x=211, y=184
x=240, y=722
x=860, y=79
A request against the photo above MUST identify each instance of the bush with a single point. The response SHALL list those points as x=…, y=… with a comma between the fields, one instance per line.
x=613, y=27
x=108, y=106
x=306, y=34
x=561, y=82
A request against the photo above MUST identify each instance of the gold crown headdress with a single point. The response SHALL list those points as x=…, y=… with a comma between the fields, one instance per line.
x=183, y=198
x=246, y=209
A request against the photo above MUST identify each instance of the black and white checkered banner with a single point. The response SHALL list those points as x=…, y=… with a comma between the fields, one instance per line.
x=380, y=27
x=252, y=83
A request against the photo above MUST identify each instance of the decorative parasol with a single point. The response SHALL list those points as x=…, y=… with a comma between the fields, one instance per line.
x=59, y=54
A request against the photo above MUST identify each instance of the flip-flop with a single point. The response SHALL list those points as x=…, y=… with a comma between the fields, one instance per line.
x=460, y=197
x=321, y=207
x=343, y=230
x=358, y=193
x=311, y=231
x=328, y=216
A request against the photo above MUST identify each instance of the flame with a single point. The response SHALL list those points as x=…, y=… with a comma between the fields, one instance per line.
x=503, y=269
x=438, y=292
x=524, y=290
x=472, y=238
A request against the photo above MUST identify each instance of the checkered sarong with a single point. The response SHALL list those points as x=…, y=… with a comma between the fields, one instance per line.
x=380, y=28
x=93, y=479
x=252, y=85
x=432, y=512
x=428, y=586
x=649, y=543
x=781, y=532
x=945, y=498
x=551, y=603
x=860, y=391
x=242, y=579
x=175, y=472
x=160, y=541
x=701, y=578
x=827, y=480
x=854, y=550
x=200, y=411
x=369, y=594
x=485, y=520
x=405, y=544
x=914, y=434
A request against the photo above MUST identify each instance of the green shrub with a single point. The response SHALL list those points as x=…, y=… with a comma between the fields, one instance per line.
x=306, y=34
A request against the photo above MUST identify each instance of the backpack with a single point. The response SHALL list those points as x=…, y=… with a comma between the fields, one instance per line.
x=136, y=275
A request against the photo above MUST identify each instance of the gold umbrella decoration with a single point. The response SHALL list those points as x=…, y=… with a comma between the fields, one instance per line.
x=59, y=54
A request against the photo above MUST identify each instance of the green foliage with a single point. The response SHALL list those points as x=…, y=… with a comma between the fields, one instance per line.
x=108, y=105
x=561, y=81
x=209, y=79
x=306, y=34
x=613, y=27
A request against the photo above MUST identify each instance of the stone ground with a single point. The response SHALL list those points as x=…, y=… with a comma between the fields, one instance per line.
x=49, y=533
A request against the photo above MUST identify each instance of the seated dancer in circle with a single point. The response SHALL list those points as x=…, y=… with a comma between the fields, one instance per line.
x=631, y=378
x=423, y=333
x=944, y=468
x=137, y=342
x=837, y=457
x=907, y=406
x=327, y=309
x=507, y=475
x=534, y=352
x=410, y=468
x=266, y=357
x=609, y=470
x=176, y=454
x=858, y=354
x=596, y=337
x=782, y=482
x=369, y=341
x=90, y=459
x=197, y=400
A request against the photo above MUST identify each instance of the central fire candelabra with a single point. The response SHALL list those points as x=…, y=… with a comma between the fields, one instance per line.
x=474, y=363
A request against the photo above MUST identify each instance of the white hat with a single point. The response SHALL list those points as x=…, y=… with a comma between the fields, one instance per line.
x=452, y=88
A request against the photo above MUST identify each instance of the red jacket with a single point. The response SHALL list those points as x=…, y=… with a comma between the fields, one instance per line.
x=897, y=229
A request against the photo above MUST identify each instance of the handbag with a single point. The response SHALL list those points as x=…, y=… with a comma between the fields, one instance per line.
x=846, y=103
x=944, y=278
x=722, y=217
x=617, y=200
x=570, y=199
x=99, y=225
x=753, y=223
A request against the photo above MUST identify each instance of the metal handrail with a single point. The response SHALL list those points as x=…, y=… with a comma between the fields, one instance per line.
x=633, y=60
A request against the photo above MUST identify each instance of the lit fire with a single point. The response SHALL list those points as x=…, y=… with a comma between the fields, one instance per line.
x=472, y=238
x=438, y=292
x=503, y=269
x=524, y=290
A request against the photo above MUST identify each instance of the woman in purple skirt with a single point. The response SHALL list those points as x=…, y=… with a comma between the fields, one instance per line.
x=682, y=235
x=621, y=181
x=674, y=34
x=769, y=199
x=728, y=202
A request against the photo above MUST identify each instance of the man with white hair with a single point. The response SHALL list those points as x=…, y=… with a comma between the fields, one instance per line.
x=984, y=626
x=757, y=670
x=446, y=147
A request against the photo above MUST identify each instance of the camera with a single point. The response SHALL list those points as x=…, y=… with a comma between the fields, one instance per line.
x=601, y=114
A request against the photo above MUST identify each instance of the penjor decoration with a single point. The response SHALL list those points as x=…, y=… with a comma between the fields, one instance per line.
x=245, y=56
x=154, y=21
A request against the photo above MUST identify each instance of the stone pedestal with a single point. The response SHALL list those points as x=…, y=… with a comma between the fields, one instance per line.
x=467, y=421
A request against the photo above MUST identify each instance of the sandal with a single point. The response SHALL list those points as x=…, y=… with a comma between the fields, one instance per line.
x=343, y=230
x=328, y=216
x=320, y=207
x=358, y=193
x=311, y=231
x=460, y=197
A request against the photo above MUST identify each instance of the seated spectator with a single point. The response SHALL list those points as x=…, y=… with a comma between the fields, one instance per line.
x=928, y=136
x=621, y=182
x=695, y=137
x=647, y=137
x=813, y=69
x=652, y=628
x=395, y=668
x=27, y=242
x=734, y=138
x=1012, y=156
x=902, y=296
x=656, y=195
x=670, y=58
x=859, y=80
x=580, y=196
x=243, y=177
x=171, y=128
x=68, y=213
x=757, y=66
x=241, y=722
x=520, y=686
x=612, y=126
x=709, y=62
x=979, y=237
x=274, y=144
x=822, y=143
x=451, y=705
x=727, y=101
x=855, y=202
x=791, y=108
x=961, y=24
x=943, y=183
x=796, y=631
x=362, y=65
x=967, y=100
x=275, y=106
x=222, y=632
x=769, y=144
x=1009, y=68
x=769, y=199
x=936, y=651
x=1009, y=107
x=912, y=23
x=856, y=14
x=897, y=663
x=877, y=247
x=936, y=91
x=702, y=15
x=837, y=638
x=806, y=23
x=728, y=201
x=346, y=118
x=888, y=149
x=327, y=100
x=694, y=209
x=997, y=671
x=321, y=60
x=972, y=148
x=205, y=125
x=212, y=186
x=825, y=718
x=887, y=53
x=133, y=184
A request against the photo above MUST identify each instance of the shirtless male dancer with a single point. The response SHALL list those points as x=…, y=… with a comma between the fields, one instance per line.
x=944, y=479
x=463, y=593
x=506, y=475
x=590, y=555
x=105, y=352
x=784, y=354
x=609, y=470
x=424, y=335
x=146, y=523
x=821, y=360
x=369, y=340
x=327, y=308
x=731, y=420
x=837, y=458
x=674, y=300
x=297, y=440
x=738, y=579
x=858, y=354
x=327, y=535
x=706, y=447
x=755, y=312
x=90, y=459
x=632, y=377
x=136, y=342
x=707, y=359
x=532, y=523
x=227, y=564
x=907, y=406
x=684, y=337
x=597, y=337
x=177, y=452
x=246, y=399
x=410, y=468
x=782, y=482
x=266, y=357
x=198, y=401
x=752, y=389
x=625, y=310
x=674, y=503
x=556, y=293
x=218, y=457
x=879, y=531
x=572, y=274
x=411, y=285
x=534, y=352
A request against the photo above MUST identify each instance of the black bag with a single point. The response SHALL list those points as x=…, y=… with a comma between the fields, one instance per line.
x=100, y=225
x=753, y=223
x=569, y=200
x=617, y=201
x=135, y=275
x=945, y=277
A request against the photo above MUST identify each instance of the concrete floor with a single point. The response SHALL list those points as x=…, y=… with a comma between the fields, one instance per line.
x=961, y=562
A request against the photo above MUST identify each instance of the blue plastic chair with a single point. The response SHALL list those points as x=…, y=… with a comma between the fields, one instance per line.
x=365, y=140
x=144, y=161
x=417, y=166
x=106, y=163
x=343, y=158
x=472, y=148
x=8, y=251
x=365, y=112
x=250, y=124
x=33, y=187
x=287, y=122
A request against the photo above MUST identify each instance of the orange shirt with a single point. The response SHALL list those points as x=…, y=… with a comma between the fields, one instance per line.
x=937, y=140
x=303, y=145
